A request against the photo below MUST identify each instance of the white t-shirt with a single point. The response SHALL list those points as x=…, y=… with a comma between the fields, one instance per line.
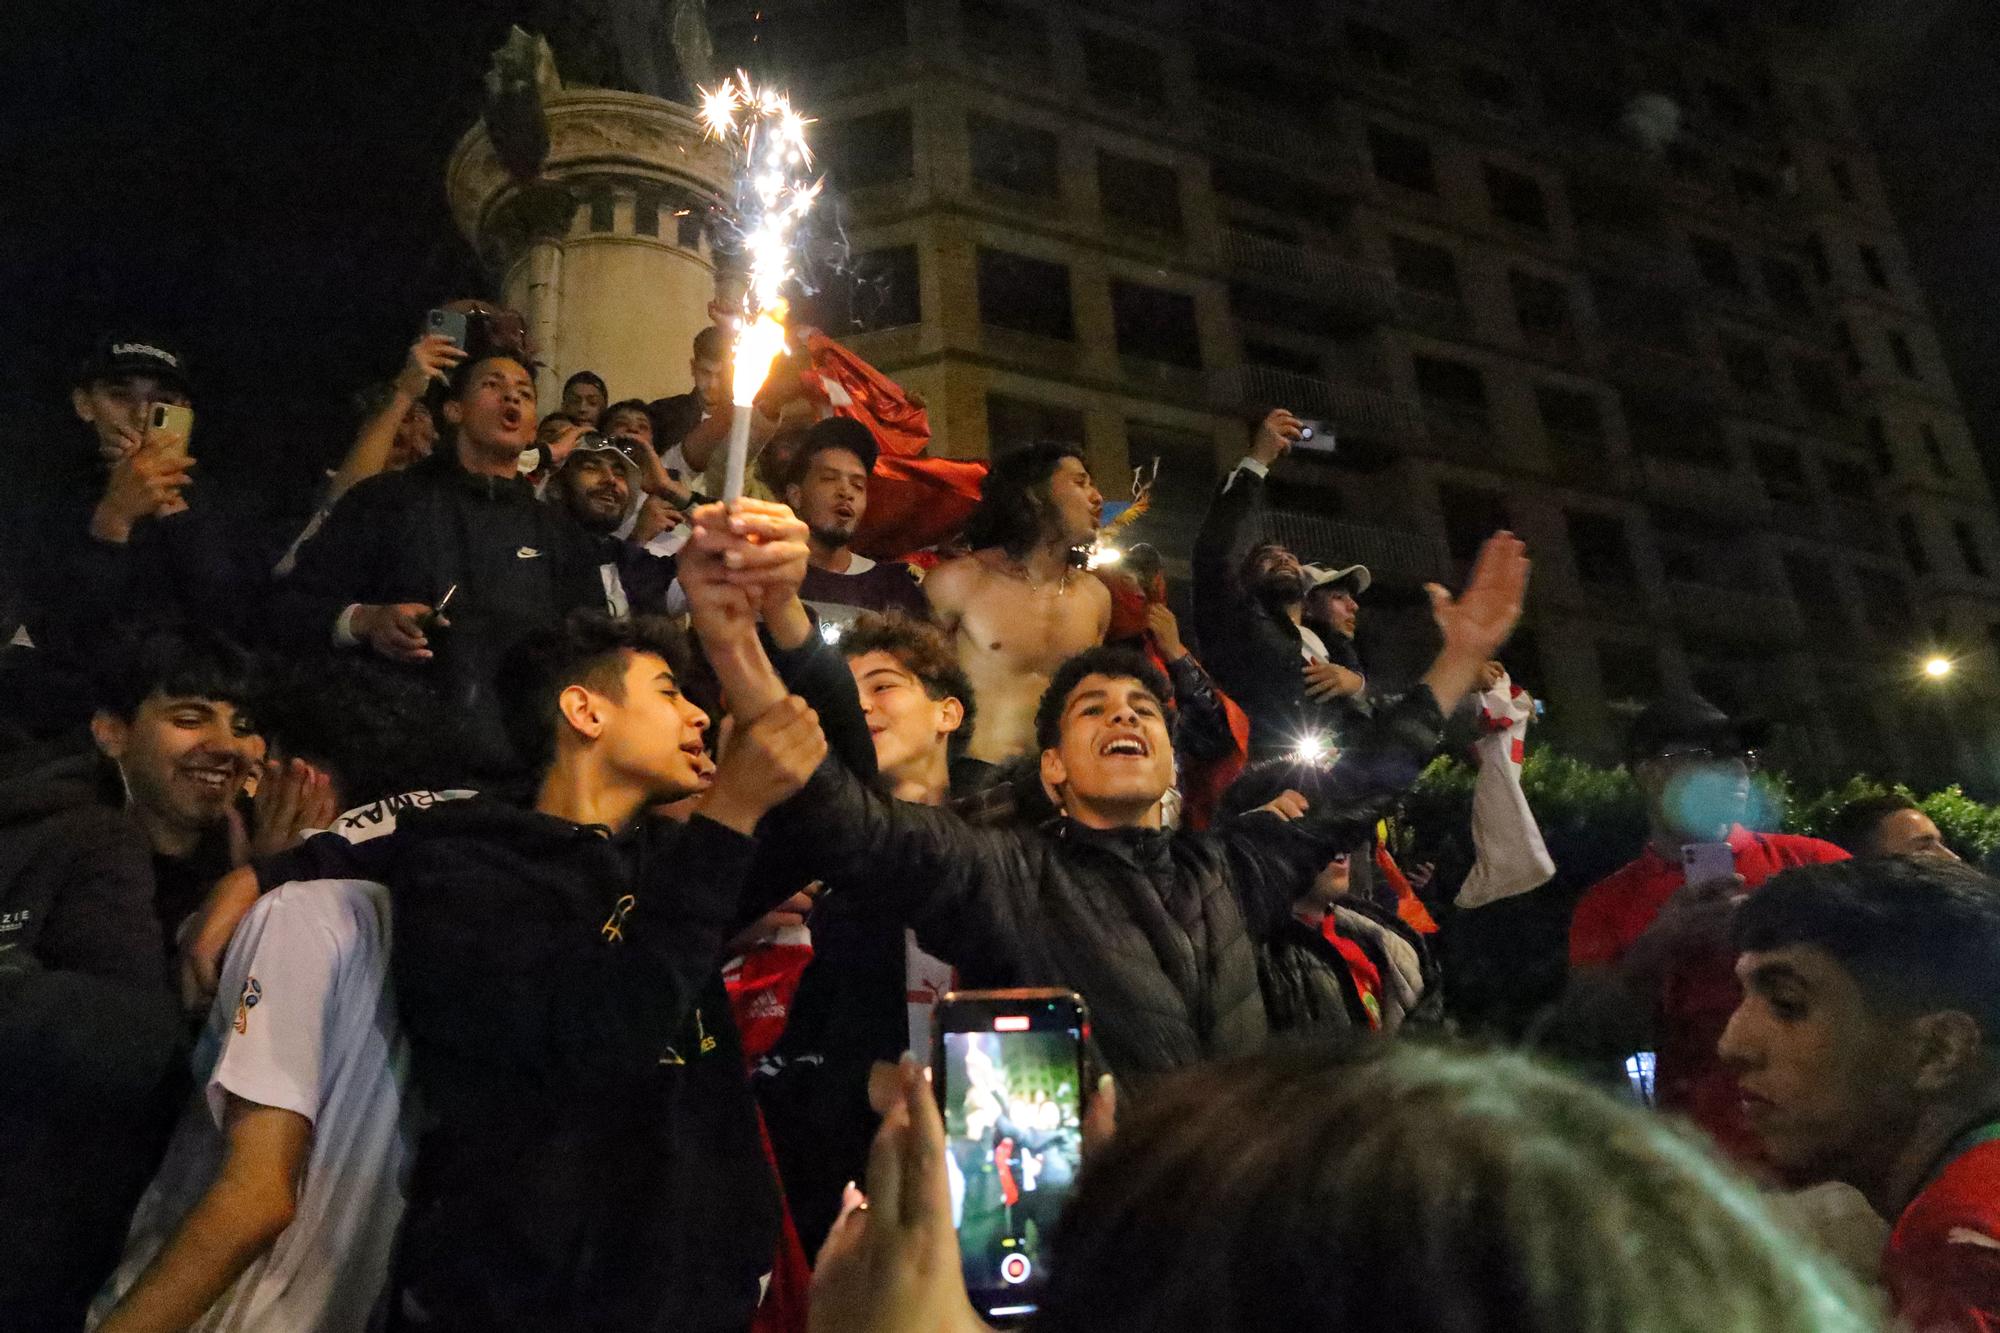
x=304, y=1020
x=1311, y=646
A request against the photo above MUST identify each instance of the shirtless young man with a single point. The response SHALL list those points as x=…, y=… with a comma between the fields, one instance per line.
x=1021, y=603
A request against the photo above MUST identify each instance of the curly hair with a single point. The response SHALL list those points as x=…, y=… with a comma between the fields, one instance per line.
x=924, y=652
x=1014, y=502
x=1104, y=660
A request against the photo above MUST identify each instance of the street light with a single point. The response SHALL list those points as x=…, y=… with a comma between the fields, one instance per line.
x=1937, y=668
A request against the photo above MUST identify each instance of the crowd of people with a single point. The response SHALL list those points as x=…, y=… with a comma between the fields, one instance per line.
x=508, y=902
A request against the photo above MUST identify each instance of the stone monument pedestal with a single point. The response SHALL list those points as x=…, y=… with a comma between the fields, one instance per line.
x=606, y=254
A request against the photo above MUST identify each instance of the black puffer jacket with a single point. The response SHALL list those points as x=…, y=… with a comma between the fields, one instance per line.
x=1308, y=986
x=1156, y=930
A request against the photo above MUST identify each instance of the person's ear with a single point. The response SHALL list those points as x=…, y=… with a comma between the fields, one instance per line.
x=582, y=710
x=794, y=497
x=111, y=733
x=79, y=399
x=950, y=715
x=1054, y=774
x=454, y=412
x=1945, y=1048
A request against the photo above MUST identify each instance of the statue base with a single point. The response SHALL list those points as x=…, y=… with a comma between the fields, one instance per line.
x=607, y=253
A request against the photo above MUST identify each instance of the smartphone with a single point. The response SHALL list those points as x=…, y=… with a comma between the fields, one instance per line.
x=1705, y=861
x=172, y=426
x=453, y=324
x=1007, y=1066
x=1314, y=436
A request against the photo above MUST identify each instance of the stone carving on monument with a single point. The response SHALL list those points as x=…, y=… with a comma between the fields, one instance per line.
x=588, y=188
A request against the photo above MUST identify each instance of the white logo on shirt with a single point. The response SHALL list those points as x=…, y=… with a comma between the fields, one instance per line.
x=526, y=553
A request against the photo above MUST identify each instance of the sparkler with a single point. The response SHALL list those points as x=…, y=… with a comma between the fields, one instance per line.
x=774, y=196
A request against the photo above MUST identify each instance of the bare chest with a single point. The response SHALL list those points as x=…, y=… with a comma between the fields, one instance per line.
x=1014, y=626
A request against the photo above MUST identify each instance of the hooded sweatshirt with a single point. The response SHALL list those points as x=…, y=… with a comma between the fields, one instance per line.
x=592, y=1159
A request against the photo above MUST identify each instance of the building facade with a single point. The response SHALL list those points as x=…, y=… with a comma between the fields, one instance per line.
x=1620, y=276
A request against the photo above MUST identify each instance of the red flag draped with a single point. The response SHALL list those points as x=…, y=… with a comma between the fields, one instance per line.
x=913, y=501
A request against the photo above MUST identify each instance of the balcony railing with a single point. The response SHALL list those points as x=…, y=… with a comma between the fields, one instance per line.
x=1663, y=371
x=1398, y=554
x=1751, y=614
x=1248, y=132
x=1351, y=409
x=1434, y=311
x=1357, y=290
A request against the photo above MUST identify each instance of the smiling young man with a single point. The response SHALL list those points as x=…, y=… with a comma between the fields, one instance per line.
x=1154, y=928
x=1867, y=1050
x=869, y=992
x=463, y=522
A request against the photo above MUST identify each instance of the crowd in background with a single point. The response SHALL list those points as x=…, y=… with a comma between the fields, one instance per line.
x=502, y=901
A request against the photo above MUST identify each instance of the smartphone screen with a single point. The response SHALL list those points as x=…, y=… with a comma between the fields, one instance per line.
x=1010, y=1080
x=1705, y=861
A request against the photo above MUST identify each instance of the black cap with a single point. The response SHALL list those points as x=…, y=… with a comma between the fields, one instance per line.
x=1688, y=721
x=838, y=433
x=115, y=357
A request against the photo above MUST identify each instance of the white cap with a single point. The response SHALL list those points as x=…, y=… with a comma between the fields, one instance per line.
x=1317, y=576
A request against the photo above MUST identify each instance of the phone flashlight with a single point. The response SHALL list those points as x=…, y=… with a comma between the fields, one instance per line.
x=1311, y=750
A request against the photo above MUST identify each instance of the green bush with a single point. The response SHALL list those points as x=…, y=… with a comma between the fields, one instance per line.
x=1578, y=802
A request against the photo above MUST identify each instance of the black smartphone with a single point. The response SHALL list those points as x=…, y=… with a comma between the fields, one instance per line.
x=453, y=324
x=1008, y=1069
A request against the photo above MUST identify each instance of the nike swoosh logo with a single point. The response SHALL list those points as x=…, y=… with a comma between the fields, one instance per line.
x=526, y=553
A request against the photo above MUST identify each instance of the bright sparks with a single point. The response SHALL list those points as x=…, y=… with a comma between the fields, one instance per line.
x=774, y=193
x=774, y=159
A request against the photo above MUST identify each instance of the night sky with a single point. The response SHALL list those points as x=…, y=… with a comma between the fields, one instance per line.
x=262, y=182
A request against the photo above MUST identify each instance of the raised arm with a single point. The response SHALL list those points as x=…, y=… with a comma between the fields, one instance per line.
x=430, y=357
x=1384, y=757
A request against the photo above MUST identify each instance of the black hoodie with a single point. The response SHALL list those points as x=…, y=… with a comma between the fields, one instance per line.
x=592, y=1159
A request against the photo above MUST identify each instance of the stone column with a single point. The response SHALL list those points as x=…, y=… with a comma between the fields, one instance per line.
x=607, y=254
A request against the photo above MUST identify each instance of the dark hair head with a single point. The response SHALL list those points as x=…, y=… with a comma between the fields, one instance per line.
x=1014, y=500
x=178, y=663
x=1918, y=933
x=1104, y=660
x=589, y=648
x=1247, y=571
x=925, y=653
x=1394, y=1185
x=711, y=344
x=464, y=373
x=1853, y=825
x=586, y=377
x=833, y=433
x=626, y=405
x=375, y=731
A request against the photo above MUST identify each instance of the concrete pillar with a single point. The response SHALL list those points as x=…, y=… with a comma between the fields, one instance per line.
x=607, y=254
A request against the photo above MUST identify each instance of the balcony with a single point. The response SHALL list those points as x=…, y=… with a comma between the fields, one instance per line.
x=1644, y=257
x=1463, y=431
x=1351, y=410
x=1732, y=611
x=1323, y=154
x=1400, y=555
x=1859, y=523
x=1367, y=295
x=1281, y=26
x=1709, y=487
x=1434, y=312
x=1661, y=371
